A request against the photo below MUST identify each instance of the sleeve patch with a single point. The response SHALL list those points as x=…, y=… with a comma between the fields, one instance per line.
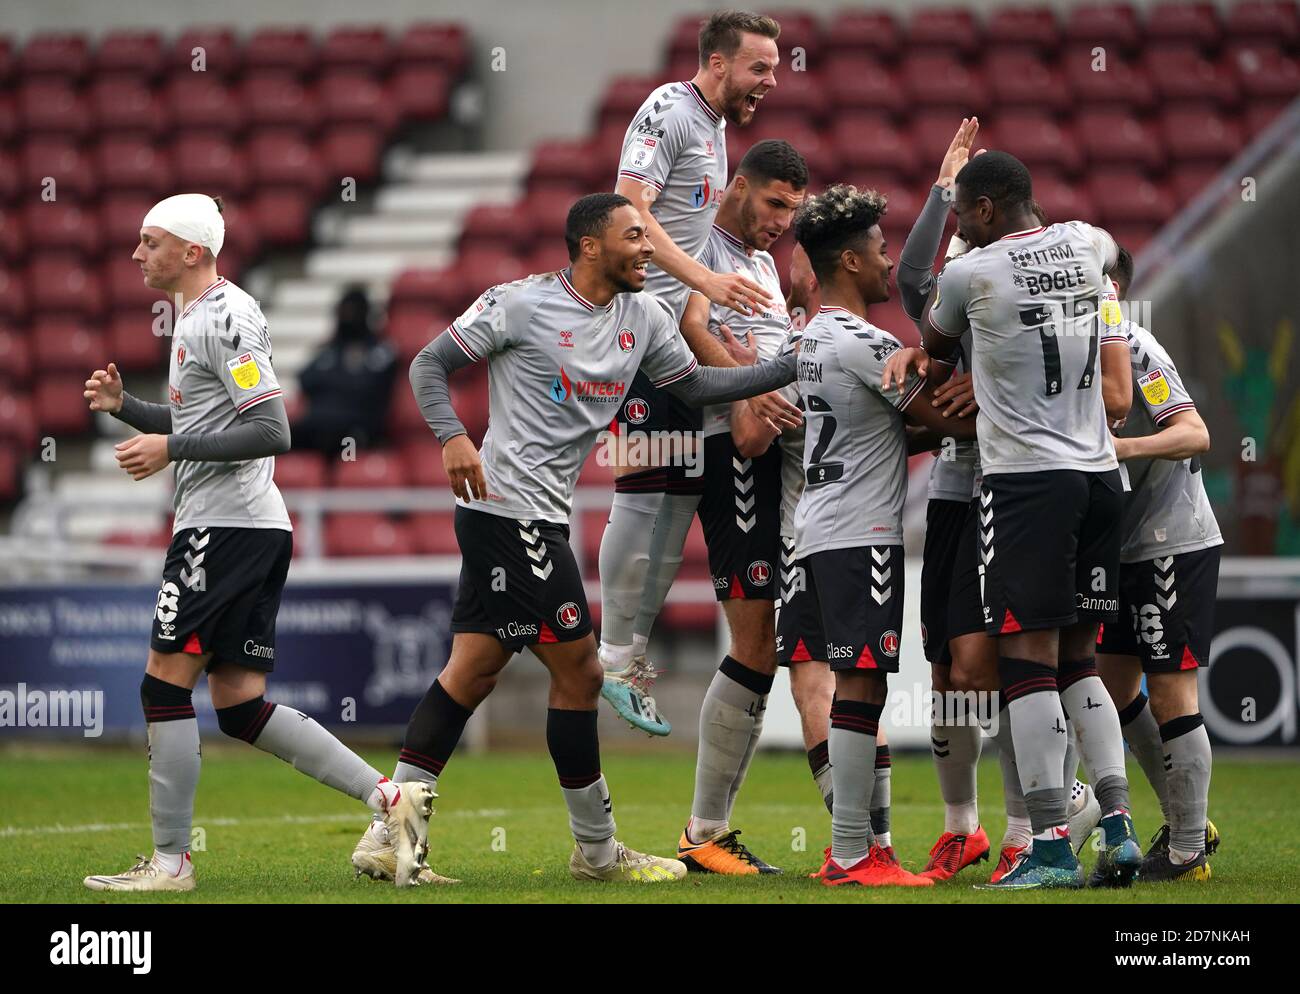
x=1155, y=388
x=244, y=371
x=643, y=148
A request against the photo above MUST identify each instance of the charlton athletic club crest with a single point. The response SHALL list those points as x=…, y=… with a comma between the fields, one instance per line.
x=889, y=643
x=626, y=340
x=180, y=355
x=637, y=411
x=760, y=573
x=568, y=615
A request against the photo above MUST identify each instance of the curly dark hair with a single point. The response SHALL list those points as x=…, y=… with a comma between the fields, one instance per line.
x=835, y=220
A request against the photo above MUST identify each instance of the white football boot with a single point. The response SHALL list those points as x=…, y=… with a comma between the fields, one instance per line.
x=1085, y=814
x=629, y=866
x=376, y=857
x=147, y=874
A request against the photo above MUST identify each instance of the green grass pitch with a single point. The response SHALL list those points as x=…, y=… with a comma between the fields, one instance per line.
x=270, y=834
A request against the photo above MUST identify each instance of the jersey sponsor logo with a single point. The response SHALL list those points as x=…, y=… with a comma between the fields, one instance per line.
x=704, y=194
x=566, y=340
x=760, y=573
x=1155, y=388
x=889, y=643
x=641, y=151
x=1106, y=604
x=637, y=411
x=251, y=648
x=840, y=651
x=561, y=387
x=168, y=602
x=180, y=355
x=244, y=371
x=568, y=615
x=175, y=396
x=626, y=340
x=517, y=629
x=587, y=391
x=721, y=583
x=884, y=350
x=645, y=128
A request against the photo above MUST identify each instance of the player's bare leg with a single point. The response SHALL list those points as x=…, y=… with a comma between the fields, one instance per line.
x=731, y=721
x=812, y=685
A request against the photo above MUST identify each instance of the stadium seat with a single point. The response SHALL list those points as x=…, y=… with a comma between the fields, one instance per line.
x=1189, y=181
x=69, y=346
x=1200, y=136
x=284, y=49
x=1062, y=200
x=48, y=106
x=799, y=29
x=8, y=117
x=623, y=98
x=12, y=242
x=1194, y=23
x=60, y=160
x=800, y=94
x=352, y=150
x=59, y=405
x=157, y=538
x=545, y=213
x=361, y=47
x=57, y=225
x=868, y=141
x=946, y=29
x=1275, y=20
x=216, y=48
x=60, y=285
x=940, y=79
x=815, y=146
x=1038, y=140
x=439, y=45
x=1182, y=73
x=11, y=473
x=278, y=158
x=133, y=54
x=1028, y=28
x=410, y=328
x=126, y=287
x=480, y=268
x=1023, y=79
x=931, y=132
x=489, y=226
x=562, y=165
x=1119, y=138
x=433, y=533
x=1110, y=24
x=864, y=32
x=416, y=286
x=349, y=96
x=371, y=468
x=203, y=103
x=13, y=295
x=547, y=257
x=18, y=419
x=1133, y=237
x=15, y=358
x=1134, y=200
x=1261, y=114
x=131, y=341
x=64, y=55
x=1265, y=71
x=132, y=164
x=283, y=215
x=365, y=533
x=861, y=82
x=422, y=457
x=279, y=101
x=7, y=60
x=125, y=106
x=210, y=163
x=420, y=93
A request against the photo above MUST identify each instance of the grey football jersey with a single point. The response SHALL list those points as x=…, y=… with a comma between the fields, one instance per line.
x=956, y=470
x=221, y=367
x=769, y=330
x=855, y=449
x=677, y=145
x=1167, y=511
x=558, y=369
x=1033, y=302
x=791, y=441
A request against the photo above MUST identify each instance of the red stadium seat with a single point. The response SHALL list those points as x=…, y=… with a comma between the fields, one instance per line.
x=15, y=358
x=283, y=215
x=1109, y=25
x=562, y=165
x=12, y=243
x=433, y=533
x=1276, y=20
x=420, y=93
x=1118, y=137
x=60, y=160
x=798, y=93
x=125, y=105
x=950, y=29
x=1037, y=140
x=417, y=286
x=48, y=106
x=491, y=225
x=1196, y=23
x=365, y=533
x=159, y=538
x=283, y=159
x=1122, y=84
x=623, y=97
x=1188, y=182
x=436, y=44
x=410, y=328
x=1062, y=201
x=18, y=419
x=348, y=96
x=60, y=54
x=1030, y=28
x=210, y=163
x=215, y=47
x=372, y=468
x=799, y=29
x=13, y=295
x=475, y=271
x=7, y=60
x=423, y=458
x=1133, y=237
x=547, y=257
x=279, y=101
x=544, y=214
x=130, y=53
x=1183, y=73
x=62, y=345
x=815, y=146
x=59, y=285
x=366, y=48
x=290, y=50
x=56, y=225
x=203, y=103
x=132, y=164
x=1261, y=115
x=11, y=473
x=126, y=286
x=60, y=407
x=683, y=40
x=1195, y=135
x=1134, y=201
x=939, y=79
x=1265, y=71
x=863, y=32
x=9, y=128
x=9, y=177
x=132, y=343
x=1023, y=79
x=861, y=82
x=932, y=131
x=867, y=141
x=353, y=150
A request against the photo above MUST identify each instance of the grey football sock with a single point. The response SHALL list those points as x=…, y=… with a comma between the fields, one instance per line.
x=174, y=760
x=1039, y=733
x=1014, y=798
x=1096, y=727
x=1187, y=769
x=666, y=545
x=854, y=726
x=819, y=761
x=743, y=771
x=591, y=814
x=732, y=709
x=1142, y=732
x=880, y=794
x=404, y=772
x=309, y=748
x=955, y=746
x=624, y=559
x=1070, y=769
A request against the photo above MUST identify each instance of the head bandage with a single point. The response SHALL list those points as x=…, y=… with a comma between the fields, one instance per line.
x=192, y=217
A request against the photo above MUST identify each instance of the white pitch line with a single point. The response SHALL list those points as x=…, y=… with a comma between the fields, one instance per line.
x=11, y=831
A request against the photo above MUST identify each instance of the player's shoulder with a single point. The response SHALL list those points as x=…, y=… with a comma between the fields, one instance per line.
x=667, y=101
x=1143, y=345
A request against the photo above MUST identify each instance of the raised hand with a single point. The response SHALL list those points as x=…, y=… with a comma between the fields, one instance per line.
x=958, y=153
x=104, y=390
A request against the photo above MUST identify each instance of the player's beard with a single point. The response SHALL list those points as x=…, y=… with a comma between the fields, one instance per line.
x=621, y=282
x=734, y=108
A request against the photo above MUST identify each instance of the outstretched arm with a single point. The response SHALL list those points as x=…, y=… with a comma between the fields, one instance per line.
x=715, y=385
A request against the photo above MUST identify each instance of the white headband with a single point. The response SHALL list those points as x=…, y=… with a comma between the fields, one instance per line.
x=192, y=217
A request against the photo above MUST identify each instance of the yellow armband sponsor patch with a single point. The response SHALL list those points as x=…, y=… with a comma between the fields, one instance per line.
x=244, y=371
x=1155, y=388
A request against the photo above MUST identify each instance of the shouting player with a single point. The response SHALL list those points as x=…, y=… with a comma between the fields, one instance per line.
x=1050, y=500
x=520, y=584
x=674, y=169
x=1167, y=586
x=849, y=520
x=230, y=551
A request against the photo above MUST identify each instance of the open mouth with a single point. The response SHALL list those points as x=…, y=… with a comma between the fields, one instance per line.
x=752, y=99
x=642, y=266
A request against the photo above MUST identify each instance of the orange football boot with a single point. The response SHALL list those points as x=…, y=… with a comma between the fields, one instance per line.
x=726, y=855
x=953, y=853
